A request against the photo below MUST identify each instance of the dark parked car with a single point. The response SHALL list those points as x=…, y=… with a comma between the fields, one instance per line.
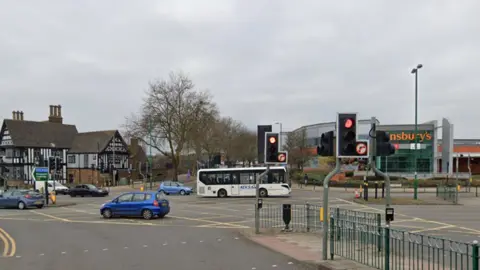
x=21, y=199
x=88, y=190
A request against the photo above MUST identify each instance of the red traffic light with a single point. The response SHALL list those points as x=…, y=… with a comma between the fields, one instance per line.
x=272, y=140
x=348, y=123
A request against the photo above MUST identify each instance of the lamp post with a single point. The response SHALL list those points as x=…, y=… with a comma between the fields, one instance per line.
x=279, y=136
x=415, y=182
x=150, y=126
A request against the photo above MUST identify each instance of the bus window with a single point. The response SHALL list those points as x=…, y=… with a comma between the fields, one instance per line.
x=245, y=178
x=235, y=179
x=264, y=180
x=211, y=179
x=204, y=178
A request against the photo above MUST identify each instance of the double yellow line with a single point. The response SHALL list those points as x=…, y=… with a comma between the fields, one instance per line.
x=9, y=244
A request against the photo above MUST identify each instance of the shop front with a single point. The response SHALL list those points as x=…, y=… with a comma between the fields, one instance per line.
x=403, y=138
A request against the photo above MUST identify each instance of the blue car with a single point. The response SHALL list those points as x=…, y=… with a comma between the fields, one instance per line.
x=170, y=187
x=148, y=204
x=21, y=199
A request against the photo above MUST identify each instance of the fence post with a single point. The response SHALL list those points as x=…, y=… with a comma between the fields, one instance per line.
x=332, y=235
x=475, y=256
x=307, y=207
x=387, y=247
x=338, y=220
x=379, y=230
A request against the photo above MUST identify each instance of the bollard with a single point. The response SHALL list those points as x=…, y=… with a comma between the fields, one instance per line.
x=376, y=190
x=287, y=215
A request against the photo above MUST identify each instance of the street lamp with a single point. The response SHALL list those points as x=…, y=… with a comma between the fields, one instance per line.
x=279, y=136
x=415, y=182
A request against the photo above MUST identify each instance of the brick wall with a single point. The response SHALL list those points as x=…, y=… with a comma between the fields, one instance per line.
x=84, y=176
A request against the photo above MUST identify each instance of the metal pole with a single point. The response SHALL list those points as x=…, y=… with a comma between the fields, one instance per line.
x=415, y=183
x=55, y=176
x=469, y=173
x=257, y=197
x=372, y=159
x=113, y=160
x=456, y=179
x=46, y=183
x=150, y=150
x=280, y=139
x=325, y=207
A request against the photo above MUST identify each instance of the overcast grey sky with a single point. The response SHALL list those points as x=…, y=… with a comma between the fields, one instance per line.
x=298, y=62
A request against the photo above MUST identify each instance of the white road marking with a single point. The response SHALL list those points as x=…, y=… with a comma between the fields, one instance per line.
x=86, y=250
x=63, y=252
x=201, y=241
x=125, y=247
x=41, y=254
x=274, y=265
x=184, y=242
x=165, y=244
x=145, y=246
x=290, y=262
x=18, y=256
x=105, y=249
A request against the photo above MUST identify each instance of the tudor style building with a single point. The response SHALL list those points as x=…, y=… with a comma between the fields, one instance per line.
x=92, y=155
x=26, y=144
x=84, y=157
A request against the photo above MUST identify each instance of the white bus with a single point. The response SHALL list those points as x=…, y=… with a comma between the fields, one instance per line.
x=225, y=182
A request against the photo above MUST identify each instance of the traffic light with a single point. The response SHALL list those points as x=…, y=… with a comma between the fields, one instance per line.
x=384, y=146
x=51, y=161
x=346, y=135
x=271, y=147
x=58, y=164
x=325, y=149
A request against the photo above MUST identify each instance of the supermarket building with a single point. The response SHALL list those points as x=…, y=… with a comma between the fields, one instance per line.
x=437, y=150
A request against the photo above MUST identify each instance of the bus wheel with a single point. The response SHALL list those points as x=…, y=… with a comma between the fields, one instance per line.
x=263, y=193
x=222, y=193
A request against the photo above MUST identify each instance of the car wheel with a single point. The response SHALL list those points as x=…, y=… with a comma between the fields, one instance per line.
x=182, y=192
x=263, y=193
x=21, y=205
x=147, y=214
x=222, y=193
x=40, y=206
x=107, y=213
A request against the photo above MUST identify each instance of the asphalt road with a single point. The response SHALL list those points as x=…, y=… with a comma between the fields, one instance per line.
x=199, y=232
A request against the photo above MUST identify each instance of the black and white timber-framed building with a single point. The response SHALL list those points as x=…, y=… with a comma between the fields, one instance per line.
x=27, y=144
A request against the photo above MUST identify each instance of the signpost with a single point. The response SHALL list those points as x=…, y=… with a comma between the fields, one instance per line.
x=40, y=174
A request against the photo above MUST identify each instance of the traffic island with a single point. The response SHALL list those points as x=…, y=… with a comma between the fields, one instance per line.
x=402, y=201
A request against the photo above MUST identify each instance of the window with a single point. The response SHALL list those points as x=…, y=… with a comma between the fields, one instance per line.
x=203, y=178
x=246, y=178
x=71, y=159
x=125, y=198
x=148, y=197
x=138, y=197
x=85, y=160
x=9, y=153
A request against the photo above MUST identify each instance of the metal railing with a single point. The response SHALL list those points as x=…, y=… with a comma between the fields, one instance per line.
x=447, y=193
x=304, y=217
x=386, y=248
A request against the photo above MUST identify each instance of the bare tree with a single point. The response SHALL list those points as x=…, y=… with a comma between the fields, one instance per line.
x=170, y=112
x=296, y=145
x=245, y=145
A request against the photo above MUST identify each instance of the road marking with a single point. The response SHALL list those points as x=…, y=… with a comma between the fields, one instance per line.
x=86, y=250
x=105, y=249
x=404, y=220
x=50, y=216
x=12, y=245
x=26, y=219
x=212, y=222
x=63, y=252
x=434, y=229
x=41, y=254
x=6, y=245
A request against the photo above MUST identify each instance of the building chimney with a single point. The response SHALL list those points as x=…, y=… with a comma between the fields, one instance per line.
x=55, y=114
x=14, y=115
x=21, y=115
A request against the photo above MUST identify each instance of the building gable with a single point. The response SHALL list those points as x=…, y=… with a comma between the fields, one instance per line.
x=5, y=138
x=117, y=145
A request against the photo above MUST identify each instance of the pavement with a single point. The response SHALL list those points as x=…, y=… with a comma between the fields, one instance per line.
x=204, y=233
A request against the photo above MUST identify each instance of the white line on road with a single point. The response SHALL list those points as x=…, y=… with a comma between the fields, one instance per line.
x=434, y=229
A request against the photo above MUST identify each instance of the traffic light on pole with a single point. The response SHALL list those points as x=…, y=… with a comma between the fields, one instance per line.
x=271, y=148
x=384, y=146
x=325, y=149
x=346, y=135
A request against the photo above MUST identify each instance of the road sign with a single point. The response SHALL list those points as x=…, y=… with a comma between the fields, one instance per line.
x=361, y=148
x=40, y=174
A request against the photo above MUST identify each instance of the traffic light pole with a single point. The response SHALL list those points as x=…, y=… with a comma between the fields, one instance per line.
x=326, y=181
x=257, y=198
x=372, y=161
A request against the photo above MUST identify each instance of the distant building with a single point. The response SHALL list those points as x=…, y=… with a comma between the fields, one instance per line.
x=86, y=157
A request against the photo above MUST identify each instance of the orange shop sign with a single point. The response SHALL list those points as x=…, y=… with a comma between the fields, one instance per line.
x=409, y=136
